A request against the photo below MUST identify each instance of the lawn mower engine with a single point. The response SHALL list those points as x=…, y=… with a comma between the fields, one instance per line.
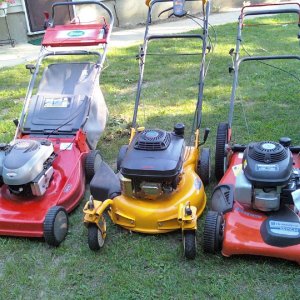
x=153, y=163
x=26, y=166
x=268, y=178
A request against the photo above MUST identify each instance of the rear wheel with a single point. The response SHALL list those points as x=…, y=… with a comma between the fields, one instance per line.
x=121, y=156
x=92, y=164
x=213, y=232
x=95, y=237
x=203, y=168
x=56, y=225
x=189, y=244
x=221, y=152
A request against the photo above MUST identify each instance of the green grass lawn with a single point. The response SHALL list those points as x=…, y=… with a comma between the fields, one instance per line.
x=137, y=266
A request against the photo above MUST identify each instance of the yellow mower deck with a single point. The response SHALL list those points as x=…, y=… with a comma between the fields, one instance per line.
x=160, y=215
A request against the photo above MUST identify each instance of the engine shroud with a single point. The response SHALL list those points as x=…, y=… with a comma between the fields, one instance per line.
x=154, y=155
x=25, y=161
x=267, y=164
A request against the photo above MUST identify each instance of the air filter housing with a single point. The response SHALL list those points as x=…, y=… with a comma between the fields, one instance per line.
x=155, y=155
x=267, y=164
x=150, y=140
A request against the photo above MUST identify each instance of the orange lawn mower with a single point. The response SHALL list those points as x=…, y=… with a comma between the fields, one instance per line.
x=255, y=208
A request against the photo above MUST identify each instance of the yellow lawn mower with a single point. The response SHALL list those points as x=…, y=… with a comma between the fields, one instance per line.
x=160, y=182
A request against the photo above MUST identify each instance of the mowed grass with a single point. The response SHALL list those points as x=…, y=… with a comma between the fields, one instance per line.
x=137, y=266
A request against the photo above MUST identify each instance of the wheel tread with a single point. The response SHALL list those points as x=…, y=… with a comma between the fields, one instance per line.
x=49, y=225
x=220, y=150
x=209, y=234
x=204, y=166
x=90, y=164
x=190, y=244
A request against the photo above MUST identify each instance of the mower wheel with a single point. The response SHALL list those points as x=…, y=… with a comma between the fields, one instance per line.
x=189, y=244
x=221, y=152
x=56, y=225
x=121, y=156
x=95, y=237
x=203, y=168
x=213, y=232
x=92, y=163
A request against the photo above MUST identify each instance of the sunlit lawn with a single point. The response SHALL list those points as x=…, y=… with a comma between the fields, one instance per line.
x=135, y=266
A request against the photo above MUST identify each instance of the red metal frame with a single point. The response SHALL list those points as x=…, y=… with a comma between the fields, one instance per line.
x=242, y=225
x=21, y=216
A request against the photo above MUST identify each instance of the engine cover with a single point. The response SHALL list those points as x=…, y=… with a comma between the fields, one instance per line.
x=25, y=161
x=155, y=155
x=3, y=150
x=267, y=164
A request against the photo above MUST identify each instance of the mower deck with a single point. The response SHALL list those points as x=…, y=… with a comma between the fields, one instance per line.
x=162, y=214
x=244, y=229
x=21, y=216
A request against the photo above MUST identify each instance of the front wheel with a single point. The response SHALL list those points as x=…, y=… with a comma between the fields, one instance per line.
x=56, y=225
x=189, y=244
x=95, y=237
x=213, y=232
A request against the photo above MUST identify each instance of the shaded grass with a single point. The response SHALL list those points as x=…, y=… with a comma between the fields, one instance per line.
x=136, y=266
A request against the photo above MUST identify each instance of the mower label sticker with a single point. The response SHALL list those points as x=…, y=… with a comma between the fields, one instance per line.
x=247, y=213
x=68, y=188
x=237, y=169
x=101, y=34
x=240, y=155
x=66, y=146
x=57, y=102
x=285, y=228
x=266, y=168
x=67, y=34
x=197, y=184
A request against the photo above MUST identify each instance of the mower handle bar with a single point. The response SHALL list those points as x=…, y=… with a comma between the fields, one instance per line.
x=153, y=2
x=73, y=52
x=271, y=12
x=272, y=57
x=235, y=82
x=174, y=36
x=82, y=3
x=268, y=5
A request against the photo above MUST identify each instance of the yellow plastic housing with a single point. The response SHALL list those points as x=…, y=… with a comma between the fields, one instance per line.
x=162, y=214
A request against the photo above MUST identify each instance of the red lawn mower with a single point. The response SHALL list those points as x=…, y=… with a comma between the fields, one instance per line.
x=255, y=208
x=43, y=170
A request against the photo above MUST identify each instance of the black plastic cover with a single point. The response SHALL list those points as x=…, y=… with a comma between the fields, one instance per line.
x=164, y=164
x=105, y=184
x=281, y=229
x=63, y=99
x=222, y=198
x=267, y=164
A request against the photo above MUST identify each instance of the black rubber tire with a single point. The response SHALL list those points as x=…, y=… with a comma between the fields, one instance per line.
x=121, y=156
x=203, y=168
x=56, y=225
x=94, y=238
x=93, y=161
x=189, y=244
x=213, y=232
x=220, y=155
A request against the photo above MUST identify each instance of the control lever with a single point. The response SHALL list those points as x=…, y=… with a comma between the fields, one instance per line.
x=206, y=134
x=30, y=67
x=231, y=53
x=46, y=21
